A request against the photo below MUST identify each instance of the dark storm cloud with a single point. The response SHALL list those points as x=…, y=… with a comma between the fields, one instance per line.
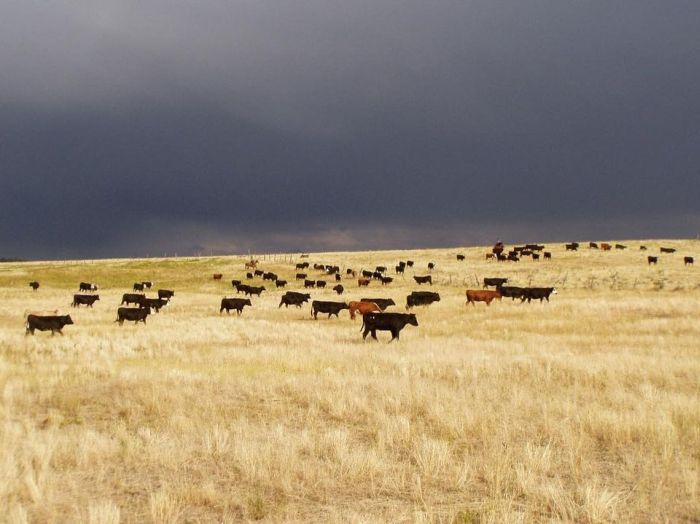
x=193, y=126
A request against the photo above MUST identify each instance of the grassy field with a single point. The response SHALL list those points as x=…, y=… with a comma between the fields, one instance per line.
x=583, y=409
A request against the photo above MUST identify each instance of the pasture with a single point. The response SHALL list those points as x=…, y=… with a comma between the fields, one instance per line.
x=586, y=408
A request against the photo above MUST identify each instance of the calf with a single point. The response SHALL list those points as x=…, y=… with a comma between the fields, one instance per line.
x=460, y=257
x=421, y=298
x=217, y=276
x=380, y=269
x=367, y=274
x=87, y=300
x=34, y=285
x=605, y=247
x=541, y=293
x=53, y=323
x=242, y=287
x=409, y=263
x=258, y=272
x=494, y=281
x=363, y=282
x=642, y=248
x=320, y=283
x=592, y=245
x=490, y=256
x=652, y=260
x=620, y=246
x=322, y=306
x=280, y=283
x=431, y=266
x=535, y=256
x=249, y=276
x=166, y=293
x=667, y=250
x=133, y=298
x=386, y=280
x=301, y=276
x=573, y=246
x=383, y=303
x=302, y=265
x=132, y=314
x=363, y=307
x=154, y=303
x=294, y=298
x=87, y=286
x=138, y=286
x=480, y=295
x=688, y=261
x=339, y=289
x=269, y=276
x=547, y=255
x=392, y=322
x=147, y=284
x=253, y=290
x=309, y=283
x=423, y=280
x=234, y=303
x=399, y=270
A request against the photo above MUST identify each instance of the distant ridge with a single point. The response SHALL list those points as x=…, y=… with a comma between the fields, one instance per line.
x=2, y=259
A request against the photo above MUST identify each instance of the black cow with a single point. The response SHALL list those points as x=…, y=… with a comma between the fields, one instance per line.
x=87, y=286
x=338, y=278
x=249, y=276
x=235, y=283
x=381, y=269
x=269, y=276
x=53, y=323
x=132, y=314
x=319, y=266
x=535, y=256
x=423, y=280
x=409, y=263
x=367, y=274
x=547, y=255
x=133, y=298
x=294, y=298
x=242, y=287
x=234, y=303
x=421, y=298
x=280, y=283
x=34, y=285
x=460, y=257
x=166, y=294
x=253, y=290
x=377, y=275
x=511, y=291
x=688, y=261
x=309, y=283
x=620, y=246
x=383, y=303
x=501, y=257
x=386, y=280
x=258, y=272
x=573, y=246
x=541, y=293
x=652, y=260
x=494, y=281
x=350, y=272
x=320, y=283
x=431, y=266
x=301, y=276
x=154, y=303
x=138, y=286
x=642, y=248
x=668, y=250
x=592, y=245
x=87, y=300
x=302, y=265
x=513, y=258
x=399, y=270
x=332, y=308
x=339, y=289
x=392, y=322
x=332, y=270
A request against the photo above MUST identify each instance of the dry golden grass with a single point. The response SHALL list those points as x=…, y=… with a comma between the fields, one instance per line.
x=585, y=409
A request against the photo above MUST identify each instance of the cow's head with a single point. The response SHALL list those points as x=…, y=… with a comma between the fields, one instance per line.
x=412, y=319
x=65, y=320
x=247, y=302
x=554, y=291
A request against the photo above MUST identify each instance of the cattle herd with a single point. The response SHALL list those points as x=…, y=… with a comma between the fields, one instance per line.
x=373, y=310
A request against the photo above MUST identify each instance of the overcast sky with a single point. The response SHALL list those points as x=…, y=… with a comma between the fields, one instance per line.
x=135, y=128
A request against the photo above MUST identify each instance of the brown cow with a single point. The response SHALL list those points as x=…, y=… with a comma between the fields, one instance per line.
x=217, y=276
x=490, y=256
x=363, y=282
x=605, y=247
x=363, y=308
x=480, y=295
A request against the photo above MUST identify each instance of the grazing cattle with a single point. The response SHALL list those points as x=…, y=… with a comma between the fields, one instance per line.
x=249, y=276
x=511, y=291
x=300, y=276
x=573, y=246
x=235, y=283
x=53, y=323
x=421, y=298
x=87, y=300
x=138, y=286
x=534, y=247
x=688, y=261
x=242, y=287
x=480, y=295
x=668, y=250
x=620, y=246
x=133, y=298
x=304, y=255
x=258, y=272
x=217, y=276
x=381, y=269
x=34, y=285
x=132, y=314
x=525, y=253
x=338, y=278
x=383, y=303
x=252, y=290
x=402, y=263
x=423, y=280
x=367, y=274
x=642, y=248
x=269, y=276
x=280, y=283
x=363, y=282
x=349, y=272
x=309, y=283
x=166, y=294
x=494, y=281
x=535, y=256
x=87, y=286
x=323, y=306
x=234, y=303
x=386, y=280
x=652, y=260
x=252, y=264
x=534, y=293
x=513, y=258
x=392, y=322
x=147, y=284
x=377, y=275
x=431, y=266
x=460, y=257
x=592, y=245
x=547, y=255
x=490, y=256
x=339, y=289
x=302, y=265
x=293, y=298
x=501, y=257
x=399, y=270
x=363, y=307
x=320, y=283
x=154, y=304
x=409, y=263
x=605, y=247
x=332, y=270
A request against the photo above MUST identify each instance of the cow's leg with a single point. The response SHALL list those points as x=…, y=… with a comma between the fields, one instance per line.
x=364, y=335
x=394, y=334
x=374, y=334
x=60, y=332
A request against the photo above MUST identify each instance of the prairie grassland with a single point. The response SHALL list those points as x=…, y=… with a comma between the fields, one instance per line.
x=583, y=409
